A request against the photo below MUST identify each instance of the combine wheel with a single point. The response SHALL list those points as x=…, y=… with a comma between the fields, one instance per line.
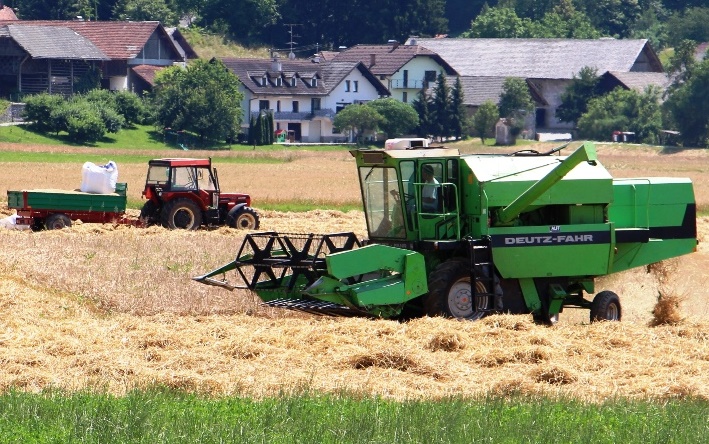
x=605, y=307
x=244, y=218
x=450, y=293
x=57, y=222
x=181, y=214
x=149, y=213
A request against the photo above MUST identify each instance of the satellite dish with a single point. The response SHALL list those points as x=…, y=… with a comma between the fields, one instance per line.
x=291, y=56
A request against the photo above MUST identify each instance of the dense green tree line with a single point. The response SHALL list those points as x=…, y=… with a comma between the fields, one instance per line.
x=332, y=23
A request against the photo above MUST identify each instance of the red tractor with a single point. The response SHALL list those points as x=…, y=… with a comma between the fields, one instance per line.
x=184, y=194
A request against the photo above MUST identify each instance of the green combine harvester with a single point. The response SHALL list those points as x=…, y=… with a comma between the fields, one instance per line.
x=525, y=232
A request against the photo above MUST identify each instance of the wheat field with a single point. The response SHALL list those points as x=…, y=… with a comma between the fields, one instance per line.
x=113, y=308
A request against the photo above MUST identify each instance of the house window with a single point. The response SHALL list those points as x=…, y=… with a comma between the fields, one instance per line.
x=264, y=81
x=406, y=78
x=314, y=82
x=405, y=97
x=295, y=106
x=430, y=76
x=355, y=85
x=315, y=104
x=347, y=86
x=279, y=81
x=293, y=81
x=263, y=104
x=278, y=106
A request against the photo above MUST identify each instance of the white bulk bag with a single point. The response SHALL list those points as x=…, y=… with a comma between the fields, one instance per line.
x=100, y=179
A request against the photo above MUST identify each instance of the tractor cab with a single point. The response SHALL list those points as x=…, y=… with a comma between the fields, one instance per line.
x=410, y=195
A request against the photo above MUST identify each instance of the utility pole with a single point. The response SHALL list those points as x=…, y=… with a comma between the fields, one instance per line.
x=291, y=43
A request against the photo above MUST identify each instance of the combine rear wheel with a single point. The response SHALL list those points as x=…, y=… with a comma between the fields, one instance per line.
x=244, y=218
x=181, y=214
x=450, y=293
x=57, y=222
x=605, y=307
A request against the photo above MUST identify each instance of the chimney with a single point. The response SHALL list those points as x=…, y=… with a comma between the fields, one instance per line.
x=372, y=59
x=276, y=66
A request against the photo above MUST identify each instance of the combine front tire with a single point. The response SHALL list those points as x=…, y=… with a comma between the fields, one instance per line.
x=450, y=293
x=244, y=218
x=605, y=307
x=181, y=214
x=57, y=222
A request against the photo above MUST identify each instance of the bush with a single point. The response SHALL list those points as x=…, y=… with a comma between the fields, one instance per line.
x=129, y=106
x=84, y=122
x=39, y=108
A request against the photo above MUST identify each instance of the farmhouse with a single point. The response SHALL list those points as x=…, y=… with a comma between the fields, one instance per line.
x=303, y=96
x=548, y=65
x=405, y=69
x=55, y=56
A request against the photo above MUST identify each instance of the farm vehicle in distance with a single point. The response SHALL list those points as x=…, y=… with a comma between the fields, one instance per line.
x=181, y=193
x=516, y=233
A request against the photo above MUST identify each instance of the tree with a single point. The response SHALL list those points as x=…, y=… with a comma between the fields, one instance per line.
x=574, y=99
x=564, y=21
x=484, y=120
x=458, y=112
x=613, y=17
x=623, y=110
x=203, y=99
x=515, y=103
x=357, y=119
x=688, y=107
x=422, y=106
x=139, y=10
x=498, y=22
x=397, y=118
x=441, y=110
x=689, y=24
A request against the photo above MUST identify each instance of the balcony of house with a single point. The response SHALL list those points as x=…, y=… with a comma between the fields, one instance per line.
x=298, y=116
x=408, y=84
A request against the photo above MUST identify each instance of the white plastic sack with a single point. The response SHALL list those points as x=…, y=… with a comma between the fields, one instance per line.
x=11, y=223
x=100, y=179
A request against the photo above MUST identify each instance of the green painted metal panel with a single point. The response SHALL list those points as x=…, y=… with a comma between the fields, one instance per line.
x=633, y=255
x=547, y=251
x=62, y=200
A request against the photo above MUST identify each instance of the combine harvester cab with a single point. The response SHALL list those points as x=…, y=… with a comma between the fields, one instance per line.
x=464, y=236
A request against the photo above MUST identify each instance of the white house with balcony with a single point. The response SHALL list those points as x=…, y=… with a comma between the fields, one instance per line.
x=303, y=96
x=404, y=69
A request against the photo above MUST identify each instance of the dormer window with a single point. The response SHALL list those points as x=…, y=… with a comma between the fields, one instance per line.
x=314, y=81
x=294, y=81
x=264, y=80
x=279, y=81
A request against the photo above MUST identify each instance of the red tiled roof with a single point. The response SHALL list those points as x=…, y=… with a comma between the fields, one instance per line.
x=387, y=58
x=147, y=72
x=118, y=40
x=6, y=13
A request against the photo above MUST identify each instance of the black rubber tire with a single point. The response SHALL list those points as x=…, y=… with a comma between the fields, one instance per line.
x=244, y=218
x=606, y=307
x=57, y=221
x=181, y=214
x=450, y=295
x=149, y=213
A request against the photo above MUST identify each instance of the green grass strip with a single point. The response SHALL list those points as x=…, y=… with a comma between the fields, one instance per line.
x=41, y=157
x=163, y=417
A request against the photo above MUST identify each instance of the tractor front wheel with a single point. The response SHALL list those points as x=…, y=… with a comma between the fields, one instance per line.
x=605, y=307
x=57, y=222
x=450, y=293
x=181, y=214
x=149, y=213
x=244, y=218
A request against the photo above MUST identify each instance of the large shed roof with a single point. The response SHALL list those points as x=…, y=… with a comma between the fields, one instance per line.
x=385, y=60
x=42, y=42
x=542, y=58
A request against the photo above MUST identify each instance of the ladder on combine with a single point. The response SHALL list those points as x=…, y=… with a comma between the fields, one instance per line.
x=482, y=276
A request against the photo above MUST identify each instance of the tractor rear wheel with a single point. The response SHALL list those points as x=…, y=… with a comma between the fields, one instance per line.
x=605, y=307
x=181, y=214
x=57, y=222
x=244, y=218
x=450, y=293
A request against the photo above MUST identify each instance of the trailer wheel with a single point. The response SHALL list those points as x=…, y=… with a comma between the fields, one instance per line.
x=57, y=222
x=450, y=293
x=181, y=214
x=605, y=307
x=244, y=218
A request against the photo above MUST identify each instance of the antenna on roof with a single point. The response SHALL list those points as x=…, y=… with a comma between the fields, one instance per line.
x=291, y=55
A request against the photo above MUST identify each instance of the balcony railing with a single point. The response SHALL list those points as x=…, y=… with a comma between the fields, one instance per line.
x=408, y=84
